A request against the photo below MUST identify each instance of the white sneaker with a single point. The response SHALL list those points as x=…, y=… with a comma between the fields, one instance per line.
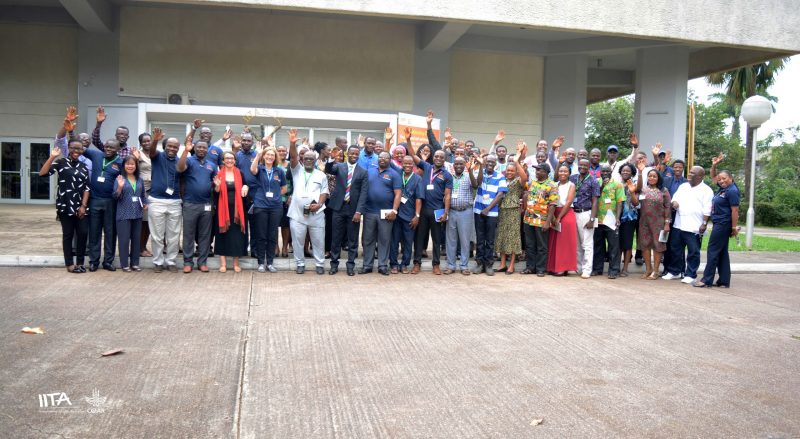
x=687, y=280
x=586, y=276
x=670, y=276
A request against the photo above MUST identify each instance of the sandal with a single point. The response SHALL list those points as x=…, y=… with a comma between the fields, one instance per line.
x=623, y=274
x=509, y=271
x=528, y=271
x=700, y=284
x=653, y=276
x=466, y=272
x=646, y=275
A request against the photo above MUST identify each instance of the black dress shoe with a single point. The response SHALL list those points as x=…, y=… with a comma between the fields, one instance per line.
x=92, y=267
x=639, y=261
x=109, y=267
x=383, y=271
x=333, y=270
x=351, y=272
x=320, y=270
x=301, y=269
x=365, y=271
x=79, y=269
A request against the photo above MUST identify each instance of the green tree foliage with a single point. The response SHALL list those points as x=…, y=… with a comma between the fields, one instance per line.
x=712, y=139
x=610, y=123
x=778, y=182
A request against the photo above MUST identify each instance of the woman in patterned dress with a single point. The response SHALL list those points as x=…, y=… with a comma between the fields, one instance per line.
x=655, y=213
x=508, y=243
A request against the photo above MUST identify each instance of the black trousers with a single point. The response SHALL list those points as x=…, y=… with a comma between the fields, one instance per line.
x=129, y=233
x=102, y=223
x=268, y=221
x=328, y=228
x=343, y=231
x=717, y=258
x=428, y=225
x=604, y=235
x=536, y=248
x=485, y=233
x=71, y=227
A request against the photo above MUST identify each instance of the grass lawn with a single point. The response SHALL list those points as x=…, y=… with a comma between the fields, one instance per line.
x=760, y=243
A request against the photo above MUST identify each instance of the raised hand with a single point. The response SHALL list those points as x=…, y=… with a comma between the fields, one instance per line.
x=562, y=158
x=360, y=141
x=520, y=147
x=558, y=142
x=269, y=141
x=216, y=181
x=388, y=134
x=407, y=133
x=667, y=156
x=429, y=117
x=237, y=143
x=100, y=117
x=462, y=144
x=136, y=154
x=197, y=123
x=55, y=152
x=120, y=180
x=158, y=134
x=188, y=143
x=425, y=154
x=227, y=135
x=259, y=147
x=656, y=149
x=640, y=165
x=293, y=135
x=69, y=125
x=304, y=142
x=500, y=136
x=715, y=160
x=633, y=140
x=336, y=154
x=448, y=135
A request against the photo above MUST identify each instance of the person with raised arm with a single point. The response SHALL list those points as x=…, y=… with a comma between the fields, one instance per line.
x=347, y=202
x=121, y=135
x=267, y=204
x=131, y=204
x=164, y=213
x=231, y=238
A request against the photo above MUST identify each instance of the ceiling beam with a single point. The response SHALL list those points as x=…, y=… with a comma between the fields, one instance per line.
x=595, y=45
x=440, y=36
x=92, y=15
x=610, y=78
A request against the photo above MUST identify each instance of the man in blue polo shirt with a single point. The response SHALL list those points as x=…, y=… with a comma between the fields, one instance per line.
x=367, y=158
x=245, y=154
x=198, y=176
x=383, y=199
x=438, y=186
x=106, y=166
x=411, y=196
x=164, y=216
x=492, y=187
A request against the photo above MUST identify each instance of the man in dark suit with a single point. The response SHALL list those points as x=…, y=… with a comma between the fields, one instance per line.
x=347, y=202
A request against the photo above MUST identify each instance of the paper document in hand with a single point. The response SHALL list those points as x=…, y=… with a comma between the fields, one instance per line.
x=610, y=220
x=663, y=236
x=557, y=227
x=437, y=214
x=385, y=212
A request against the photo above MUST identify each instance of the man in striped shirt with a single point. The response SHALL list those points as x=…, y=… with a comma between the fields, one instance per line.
x=491, y=187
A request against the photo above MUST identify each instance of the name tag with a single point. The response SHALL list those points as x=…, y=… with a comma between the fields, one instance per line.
x=486, y=198
x=453, y=195
x=429, y=187
x=207, y=208
x=270, y=194
x=169, y=191
x=403, y=200
x=135, y=199
x=101, y=179
x=608, y=200
x=642, y=196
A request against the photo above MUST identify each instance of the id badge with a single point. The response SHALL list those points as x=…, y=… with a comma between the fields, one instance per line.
x=453, y=195
x=486, y=198
x=270, y=194
x=608, y=200
x=429, y=187
x=170, y=191
x=135, y=199
x=403, y=200
x=101, y=179
x=642, y=196
x=207, y=208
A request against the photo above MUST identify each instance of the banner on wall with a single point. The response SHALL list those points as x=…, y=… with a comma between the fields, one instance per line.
x=419, y=128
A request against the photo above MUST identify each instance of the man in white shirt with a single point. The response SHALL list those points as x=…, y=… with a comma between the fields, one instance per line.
x=692, y=201
x=308, y=203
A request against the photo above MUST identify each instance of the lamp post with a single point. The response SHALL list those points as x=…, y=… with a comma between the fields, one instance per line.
x=755, y=110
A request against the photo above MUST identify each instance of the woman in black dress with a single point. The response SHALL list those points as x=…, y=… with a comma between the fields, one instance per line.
x=71, y=201
x=231, y=239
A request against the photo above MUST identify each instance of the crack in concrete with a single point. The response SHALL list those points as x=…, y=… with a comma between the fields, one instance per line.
x=243, y=364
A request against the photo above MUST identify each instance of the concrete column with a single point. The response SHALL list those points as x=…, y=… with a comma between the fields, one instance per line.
x=660, y=108
x=565, y=80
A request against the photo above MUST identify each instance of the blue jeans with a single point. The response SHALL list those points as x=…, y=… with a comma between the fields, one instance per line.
x=717, y=258
x=678, y=263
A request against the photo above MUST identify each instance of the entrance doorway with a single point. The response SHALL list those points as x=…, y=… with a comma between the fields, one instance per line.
x=20, y=161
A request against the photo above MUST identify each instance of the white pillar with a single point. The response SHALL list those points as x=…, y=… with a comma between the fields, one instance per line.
x=660, y=109
x=565, y=81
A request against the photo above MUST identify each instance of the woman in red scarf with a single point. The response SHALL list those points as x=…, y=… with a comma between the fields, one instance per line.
x=231, y=239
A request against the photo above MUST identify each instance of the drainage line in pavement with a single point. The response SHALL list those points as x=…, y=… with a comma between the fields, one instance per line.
x=243, y=364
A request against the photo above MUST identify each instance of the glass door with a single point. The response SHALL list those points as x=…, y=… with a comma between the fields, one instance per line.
x=20, y=161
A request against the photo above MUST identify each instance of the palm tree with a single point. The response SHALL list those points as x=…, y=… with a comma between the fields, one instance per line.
x=740, y=84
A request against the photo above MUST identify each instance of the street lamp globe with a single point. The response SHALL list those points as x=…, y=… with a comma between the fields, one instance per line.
x=756, y=110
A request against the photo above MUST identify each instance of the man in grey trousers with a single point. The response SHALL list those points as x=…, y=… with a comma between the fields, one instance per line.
x=460, y=221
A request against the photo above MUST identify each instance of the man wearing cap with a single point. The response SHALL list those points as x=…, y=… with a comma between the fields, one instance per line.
x=541, y=199
x=612, y=152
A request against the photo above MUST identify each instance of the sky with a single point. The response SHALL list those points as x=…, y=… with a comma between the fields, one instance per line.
x=786, y=89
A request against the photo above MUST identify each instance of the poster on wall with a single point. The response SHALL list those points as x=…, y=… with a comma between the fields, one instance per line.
x=419, y=128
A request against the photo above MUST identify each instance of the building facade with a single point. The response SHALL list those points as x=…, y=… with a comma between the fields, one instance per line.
x=347, y=67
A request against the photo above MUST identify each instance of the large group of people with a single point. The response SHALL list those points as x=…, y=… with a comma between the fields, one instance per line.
x=559, y=210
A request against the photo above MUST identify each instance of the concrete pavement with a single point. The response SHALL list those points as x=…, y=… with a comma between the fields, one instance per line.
x=280, y=355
